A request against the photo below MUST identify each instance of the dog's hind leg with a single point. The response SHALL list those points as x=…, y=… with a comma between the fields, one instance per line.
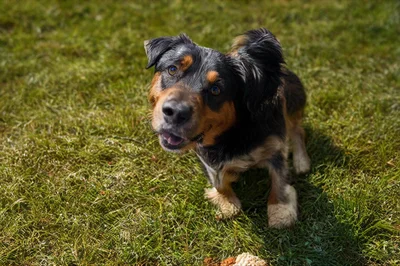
x=301, y=161
x=295, y=102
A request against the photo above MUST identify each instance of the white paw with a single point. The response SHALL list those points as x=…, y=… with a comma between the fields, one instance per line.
x=301, y=163
x=283, y=215
x=228, y=206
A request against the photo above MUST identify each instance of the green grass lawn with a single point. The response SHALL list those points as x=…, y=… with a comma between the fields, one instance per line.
x=84, y=181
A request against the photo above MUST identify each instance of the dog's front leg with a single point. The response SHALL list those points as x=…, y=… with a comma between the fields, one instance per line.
x=222, y=194
x=282, y=201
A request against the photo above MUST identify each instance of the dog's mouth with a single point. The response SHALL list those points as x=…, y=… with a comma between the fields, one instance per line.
x=171, y=141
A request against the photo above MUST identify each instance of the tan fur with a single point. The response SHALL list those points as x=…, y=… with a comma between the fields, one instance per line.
x=214, y=123
x=155, y=88
x=228, y=204
x=212, y=76
x=186, y=62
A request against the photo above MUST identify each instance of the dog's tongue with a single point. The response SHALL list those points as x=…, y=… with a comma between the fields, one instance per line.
x=172, y=139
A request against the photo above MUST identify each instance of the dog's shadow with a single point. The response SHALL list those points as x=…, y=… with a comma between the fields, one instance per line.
x=318, y=238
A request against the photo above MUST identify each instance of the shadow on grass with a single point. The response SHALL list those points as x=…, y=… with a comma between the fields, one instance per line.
x=318, y=238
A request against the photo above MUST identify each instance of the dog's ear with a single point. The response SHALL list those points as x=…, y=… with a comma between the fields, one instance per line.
x=261, y=60
x=155, y=48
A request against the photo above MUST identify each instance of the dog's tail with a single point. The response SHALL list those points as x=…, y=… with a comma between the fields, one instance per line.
x=261, y=58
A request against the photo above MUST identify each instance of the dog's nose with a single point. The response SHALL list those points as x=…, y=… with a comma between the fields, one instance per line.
x=176, y=113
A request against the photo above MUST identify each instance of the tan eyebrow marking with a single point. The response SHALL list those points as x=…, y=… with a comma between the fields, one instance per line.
x=186, y=62
x=212, y=76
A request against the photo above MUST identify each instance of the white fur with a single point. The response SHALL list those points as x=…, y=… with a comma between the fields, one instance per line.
x=228, y=207
x=212, y=173
x=284, y=215
x=301, y=162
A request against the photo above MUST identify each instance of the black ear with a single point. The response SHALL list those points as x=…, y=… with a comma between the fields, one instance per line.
x=155, y=48
x=261, y=60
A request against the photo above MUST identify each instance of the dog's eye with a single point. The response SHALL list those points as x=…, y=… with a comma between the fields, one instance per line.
x=172, y=70
x=215, y=90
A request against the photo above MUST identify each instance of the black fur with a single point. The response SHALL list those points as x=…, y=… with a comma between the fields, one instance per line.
x=155, y=48
x=294, y=92
x=262, y=59
x=245, y=135
x=251, y=79
x=277, y=161
x=260, y=109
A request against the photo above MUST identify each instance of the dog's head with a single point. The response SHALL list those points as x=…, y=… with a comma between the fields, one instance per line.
x=198, y=93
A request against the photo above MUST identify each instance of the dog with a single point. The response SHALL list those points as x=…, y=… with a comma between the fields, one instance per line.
x=237, y=110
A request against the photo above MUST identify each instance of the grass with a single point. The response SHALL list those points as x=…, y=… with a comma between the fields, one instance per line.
x=83, y=180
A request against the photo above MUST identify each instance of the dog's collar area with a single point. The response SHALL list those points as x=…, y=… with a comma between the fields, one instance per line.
x=198, y=138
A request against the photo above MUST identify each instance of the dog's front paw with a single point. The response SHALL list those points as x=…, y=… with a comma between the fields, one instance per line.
x=229, y=206
x=283, y=215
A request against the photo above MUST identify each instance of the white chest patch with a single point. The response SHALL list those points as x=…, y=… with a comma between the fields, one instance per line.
x=256, y=158
x=212, y=173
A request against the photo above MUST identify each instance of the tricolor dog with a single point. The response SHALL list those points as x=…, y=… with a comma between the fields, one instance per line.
x=236, y=110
